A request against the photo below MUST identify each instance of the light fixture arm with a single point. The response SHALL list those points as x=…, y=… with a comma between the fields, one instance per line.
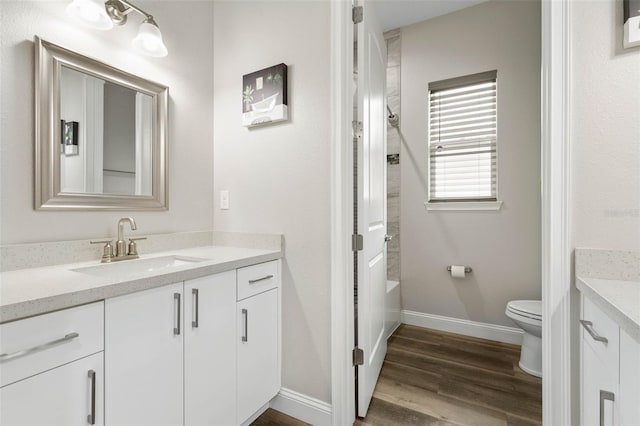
x=119, y=9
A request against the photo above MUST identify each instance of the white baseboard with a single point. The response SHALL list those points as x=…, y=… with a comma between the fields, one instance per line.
x=255, y=415
x=302, y=407
x=482, y=330
x=393, y=329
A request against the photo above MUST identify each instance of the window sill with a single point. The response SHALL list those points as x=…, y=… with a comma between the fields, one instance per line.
x=463, y=205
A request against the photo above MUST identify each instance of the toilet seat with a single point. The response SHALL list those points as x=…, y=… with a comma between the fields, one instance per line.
x=529, y=311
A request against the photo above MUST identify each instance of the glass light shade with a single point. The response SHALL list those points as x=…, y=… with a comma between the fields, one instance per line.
x=91, y=13
x=149, y=41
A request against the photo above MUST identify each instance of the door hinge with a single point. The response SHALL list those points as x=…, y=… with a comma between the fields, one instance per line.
x=357, y=129
x=358, y=356
x=357, y=14
x=357, y=242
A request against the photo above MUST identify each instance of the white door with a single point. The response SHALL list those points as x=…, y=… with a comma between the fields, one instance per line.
x=371, y=200
x=144, y=358
x=210, y=350
x=66, y=395
x=257, y=343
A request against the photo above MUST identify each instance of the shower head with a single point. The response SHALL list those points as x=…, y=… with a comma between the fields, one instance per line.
x=393, y=118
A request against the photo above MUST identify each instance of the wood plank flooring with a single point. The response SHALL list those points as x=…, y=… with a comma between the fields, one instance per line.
x=436, y=378
x=272, y=417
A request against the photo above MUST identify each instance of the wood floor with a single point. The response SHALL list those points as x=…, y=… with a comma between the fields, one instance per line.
x=275, y=418
x=436, y=378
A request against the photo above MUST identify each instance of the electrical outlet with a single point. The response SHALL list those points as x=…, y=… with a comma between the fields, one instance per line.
x=224, y=199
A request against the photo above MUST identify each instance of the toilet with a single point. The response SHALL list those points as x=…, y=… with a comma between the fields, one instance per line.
x=527, y=314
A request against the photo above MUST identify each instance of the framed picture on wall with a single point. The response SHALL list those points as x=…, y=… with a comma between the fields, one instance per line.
x=264, y=96
x=69, y=137
x=631, y=13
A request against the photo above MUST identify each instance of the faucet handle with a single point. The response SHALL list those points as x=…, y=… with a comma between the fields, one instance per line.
x=107, y=252
x=133, y=249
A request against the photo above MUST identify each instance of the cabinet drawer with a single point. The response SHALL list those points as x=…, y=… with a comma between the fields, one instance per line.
x=259, y=278
x=33, y=345
x=602, y=326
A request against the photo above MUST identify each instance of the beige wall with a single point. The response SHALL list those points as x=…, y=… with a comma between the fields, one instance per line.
x=605, y=129
x=278, y=175
x=188, y=71
x=502, y=247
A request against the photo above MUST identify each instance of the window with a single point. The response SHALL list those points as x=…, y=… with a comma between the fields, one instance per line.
x=462, y=138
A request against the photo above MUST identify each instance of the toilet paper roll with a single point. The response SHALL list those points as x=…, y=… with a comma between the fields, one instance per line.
x=457, y=271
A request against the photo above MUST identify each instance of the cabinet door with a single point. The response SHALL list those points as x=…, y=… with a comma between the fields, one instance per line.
x=596, y=378
x=144, y=358
x=257, y=343
x=629, y=380
x=65, y=395
x=210, y=350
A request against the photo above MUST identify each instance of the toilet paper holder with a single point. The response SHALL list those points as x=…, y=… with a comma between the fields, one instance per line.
x=467, y=269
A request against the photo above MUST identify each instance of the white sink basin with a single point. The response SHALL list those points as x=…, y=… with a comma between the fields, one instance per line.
x=138, y=266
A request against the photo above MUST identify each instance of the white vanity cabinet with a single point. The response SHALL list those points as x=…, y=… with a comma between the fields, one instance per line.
x=258, y=337
x=51, y=368
x=610, y=371
x=170, y=355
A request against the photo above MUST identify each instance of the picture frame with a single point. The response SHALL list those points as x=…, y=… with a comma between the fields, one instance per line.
x=265, y=96
x=631, y=23
x=69, y=137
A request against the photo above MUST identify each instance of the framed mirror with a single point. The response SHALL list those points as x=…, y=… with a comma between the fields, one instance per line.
x=100, y=135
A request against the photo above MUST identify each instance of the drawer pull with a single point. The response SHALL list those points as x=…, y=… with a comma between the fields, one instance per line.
x=268, y=277
x=588, y=325
x=196, y=301
x=67, y=338
x=91, y=418
x=605, y=396
x=176, y=328
x=245, y=335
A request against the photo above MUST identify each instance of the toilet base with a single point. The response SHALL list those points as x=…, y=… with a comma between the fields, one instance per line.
x=531, y=355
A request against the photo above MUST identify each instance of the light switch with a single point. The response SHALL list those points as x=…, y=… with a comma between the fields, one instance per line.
x=224, y=199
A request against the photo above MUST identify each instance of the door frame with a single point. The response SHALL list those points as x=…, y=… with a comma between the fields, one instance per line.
x=559, y=393
x=341, y=193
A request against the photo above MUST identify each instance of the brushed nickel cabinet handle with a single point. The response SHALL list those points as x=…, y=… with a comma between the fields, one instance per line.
x=605, y=396
x=588, y=325
x=267, y=277
x=245, y=335
x=17, y=354
x=91, y=418
x=176, y=329
x=196, y=301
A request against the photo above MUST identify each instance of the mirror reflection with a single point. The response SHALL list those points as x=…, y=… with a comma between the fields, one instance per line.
x=106, y=136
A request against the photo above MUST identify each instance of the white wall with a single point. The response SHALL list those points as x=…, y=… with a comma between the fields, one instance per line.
x=71, y=109
x=278, y=175
x=120, y=128
x=188, y=71
x=502, y=247
x=605, y=129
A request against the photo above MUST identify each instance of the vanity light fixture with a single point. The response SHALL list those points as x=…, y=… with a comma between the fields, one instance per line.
x=91, y=13
x=102, y=15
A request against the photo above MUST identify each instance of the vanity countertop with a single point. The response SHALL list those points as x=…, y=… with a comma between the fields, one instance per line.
x=618, y=299
x=33, y=291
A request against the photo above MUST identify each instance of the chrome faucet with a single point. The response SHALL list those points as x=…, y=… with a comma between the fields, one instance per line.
x=121, y=245
x=124, y=251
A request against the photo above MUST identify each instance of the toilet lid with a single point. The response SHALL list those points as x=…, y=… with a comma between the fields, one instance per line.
x=531, y=308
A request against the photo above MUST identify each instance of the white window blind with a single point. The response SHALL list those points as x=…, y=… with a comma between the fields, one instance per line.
x=462, y=138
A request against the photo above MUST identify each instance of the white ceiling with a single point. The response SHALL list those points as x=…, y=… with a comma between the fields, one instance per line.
x=399, y=13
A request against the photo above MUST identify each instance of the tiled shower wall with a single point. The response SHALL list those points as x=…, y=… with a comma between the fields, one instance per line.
x=393, y=155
